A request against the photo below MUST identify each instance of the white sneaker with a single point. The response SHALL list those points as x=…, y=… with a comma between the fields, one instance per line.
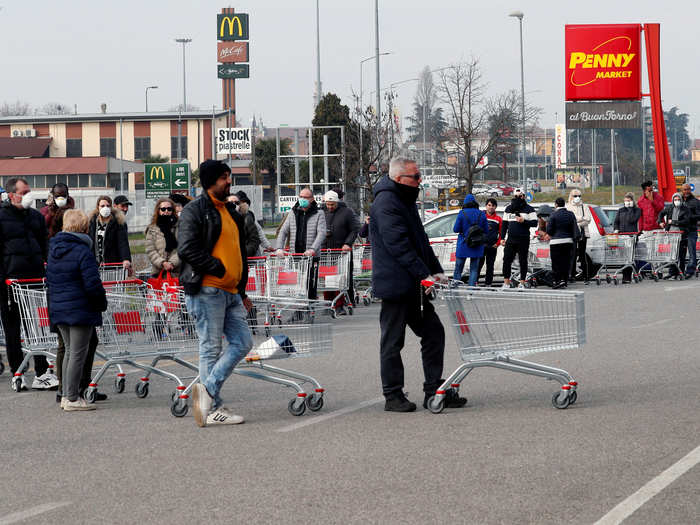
x=78, y=405
x=46, y=381
x=222, y=416
x=64, y=400
x=201, y=404
x=521, y=286
x=13, y=385
x=505, y=286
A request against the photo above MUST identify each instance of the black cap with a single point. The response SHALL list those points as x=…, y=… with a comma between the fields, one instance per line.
x=122, y=199
x=242, y=197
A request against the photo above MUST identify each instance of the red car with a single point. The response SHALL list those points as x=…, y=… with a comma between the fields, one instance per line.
x=507, y=189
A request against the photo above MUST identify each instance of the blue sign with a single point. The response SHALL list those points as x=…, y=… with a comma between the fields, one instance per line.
x=529, y=197
x=692, y=187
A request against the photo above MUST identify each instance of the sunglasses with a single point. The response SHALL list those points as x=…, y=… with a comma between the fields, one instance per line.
x=414, y=176
x=166, y=209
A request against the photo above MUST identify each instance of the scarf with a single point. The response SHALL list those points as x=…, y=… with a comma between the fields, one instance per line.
x=166, y=224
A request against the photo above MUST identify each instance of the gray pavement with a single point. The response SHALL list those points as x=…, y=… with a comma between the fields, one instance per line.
x=508, y=457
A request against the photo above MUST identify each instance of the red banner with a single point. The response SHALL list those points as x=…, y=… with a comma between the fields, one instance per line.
x=603, y=62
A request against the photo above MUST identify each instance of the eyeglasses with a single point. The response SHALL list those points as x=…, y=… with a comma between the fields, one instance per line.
x=414, y=176
x=168, y=209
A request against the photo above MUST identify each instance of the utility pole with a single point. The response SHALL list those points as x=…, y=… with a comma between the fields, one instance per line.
x=184, y=42
x=318, y=57
x=376, y=57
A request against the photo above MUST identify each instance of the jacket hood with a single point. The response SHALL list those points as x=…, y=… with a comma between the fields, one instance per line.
x=677, y=195
x=385, y=184
x=65, y=242
x=117, y=214
x=470, y=202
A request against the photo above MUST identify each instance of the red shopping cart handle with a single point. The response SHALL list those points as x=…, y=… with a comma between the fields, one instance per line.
x=427, y=283
x=257, y=258
x=128, y=281
x=23, y=281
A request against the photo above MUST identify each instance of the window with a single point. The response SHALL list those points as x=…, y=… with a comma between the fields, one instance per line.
x=50, y=181
x=72, y=181
x=441, y=227
x=108, y=147
x=142, y=147
x=39, y=181
x=74, y=147
x=173, y=148
x=114, y=181
x=83, y=180
x=98, y=180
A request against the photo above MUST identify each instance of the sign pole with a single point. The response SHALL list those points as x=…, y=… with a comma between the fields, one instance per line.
x=612, y=163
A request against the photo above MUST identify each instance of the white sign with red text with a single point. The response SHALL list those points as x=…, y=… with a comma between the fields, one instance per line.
x=560, y=146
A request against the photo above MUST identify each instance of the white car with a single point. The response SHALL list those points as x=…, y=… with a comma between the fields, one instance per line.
x=481, y=190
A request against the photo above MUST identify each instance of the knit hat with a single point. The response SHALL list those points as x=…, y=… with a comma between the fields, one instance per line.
x=210, y=170
x=242, y=197
x=331, y=196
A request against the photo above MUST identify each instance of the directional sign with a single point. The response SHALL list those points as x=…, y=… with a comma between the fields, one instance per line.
x=529, y=197
x=692, y=187
x=233, y=70
x=163, y=179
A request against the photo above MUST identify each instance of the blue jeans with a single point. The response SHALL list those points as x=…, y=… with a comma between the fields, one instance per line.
x=473, y=269
x=218, y=313
x=692, y=252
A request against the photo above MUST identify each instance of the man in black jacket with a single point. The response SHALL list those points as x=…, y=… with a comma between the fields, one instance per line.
x=562, y=230
x=520, y=217
x=23, y=251
x=693, y=205
x=252, y=239
x=341, y=231
x=401, y=258
x=214, y=273
x=677, y=216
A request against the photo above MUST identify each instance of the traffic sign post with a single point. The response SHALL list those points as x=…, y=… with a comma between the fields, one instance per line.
x=529, y=197
x=163, y=179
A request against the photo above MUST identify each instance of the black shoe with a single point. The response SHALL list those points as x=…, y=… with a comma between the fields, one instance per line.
x=58, y=398
x=99, y=396
x=452, y=399
x=398, y=403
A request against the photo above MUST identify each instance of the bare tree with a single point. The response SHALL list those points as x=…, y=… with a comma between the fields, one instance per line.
x=14, y=110
x=53, y=108
x=483, y=126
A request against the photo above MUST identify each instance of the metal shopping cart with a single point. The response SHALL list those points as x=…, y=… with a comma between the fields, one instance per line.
x=288, y=328
x=2, y=343
x=446, y=253
x=113, y=272
x=37, y=339
x=362, y=273
x=289, y=275
x=493, y=327
x=615, y=252
x=657, y=251
x=334, y=276
x=538, y=261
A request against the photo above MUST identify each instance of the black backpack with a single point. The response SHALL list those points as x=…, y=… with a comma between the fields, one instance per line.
x=475, y=237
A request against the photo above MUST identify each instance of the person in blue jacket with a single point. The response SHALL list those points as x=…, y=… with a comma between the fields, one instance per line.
x=469, y=216
x=76, y=299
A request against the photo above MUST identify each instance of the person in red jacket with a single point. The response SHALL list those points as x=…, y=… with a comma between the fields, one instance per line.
x=494, y=238
x=651, y=203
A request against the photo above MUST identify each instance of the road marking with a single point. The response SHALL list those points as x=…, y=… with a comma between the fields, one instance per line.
x=627, y=507
x=22, y=515
x=331, y=415
x=645, y=325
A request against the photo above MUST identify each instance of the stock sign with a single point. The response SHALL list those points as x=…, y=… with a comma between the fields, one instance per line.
x=602, y=62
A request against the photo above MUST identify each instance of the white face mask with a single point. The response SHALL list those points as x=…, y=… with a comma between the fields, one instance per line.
x=676, y=202
x=61, y=201
x=629, y=204
x=577, y=199
x=27, y=200
x=106, y=212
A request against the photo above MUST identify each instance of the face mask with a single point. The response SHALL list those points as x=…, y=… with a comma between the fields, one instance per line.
x=105, y=212
x=629, y=204
x=3, y=196
x=577, y=199
x=303, y=203
x=61, y=201
x=676, y=202
x=27, y=201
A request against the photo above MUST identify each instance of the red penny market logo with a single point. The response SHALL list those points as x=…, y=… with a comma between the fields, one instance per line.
x=586, y=67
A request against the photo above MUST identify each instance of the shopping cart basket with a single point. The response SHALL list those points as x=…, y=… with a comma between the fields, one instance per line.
x=37, y=339
x=493, y=327
x=2, y=343
x=288, y=328
x=289, y=275
x=616, y=253
x=538, y=261
x=657, y=251
x=257, y=277
x=113, y=272
x=446, y=253
x=334, y=276
x=362, y=273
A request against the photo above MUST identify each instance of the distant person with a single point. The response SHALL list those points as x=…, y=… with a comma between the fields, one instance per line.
x=242, y=203
x=651, y=203
x=519, y=217
x=627, y=221
x=56, y=205
x=677, y=216
x=561, y=229
x=693, y=205
x=109, y=234
x=160, y=239
x=180, y=201
x=583, y=219
x=494, y=238
x=471, y=226
x=121, y=203
x=304, y=227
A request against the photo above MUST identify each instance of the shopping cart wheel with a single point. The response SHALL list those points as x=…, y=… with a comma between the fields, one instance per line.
x=615, y=281
x=314, y=402
x=89, y=395
x=296, y=406
x=366, y=301
x=179, y=408
x=597, y=281
x=572, y=397
x=608, y=279
x=141, y=389
x=560, y=404
x=436, y=406
x=350, y=309
x=119, y=384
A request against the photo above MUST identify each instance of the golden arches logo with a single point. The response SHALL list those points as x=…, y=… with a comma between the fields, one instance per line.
x=157, y=172
x=231, y=21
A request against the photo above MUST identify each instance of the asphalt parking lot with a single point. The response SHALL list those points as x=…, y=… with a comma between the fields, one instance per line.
x=507, y=457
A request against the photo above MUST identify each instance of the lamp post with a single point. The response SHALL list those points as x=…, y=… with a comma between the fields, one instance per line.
x=519, y=15
x=147, y=88
x=318, y=58
x=183, y=41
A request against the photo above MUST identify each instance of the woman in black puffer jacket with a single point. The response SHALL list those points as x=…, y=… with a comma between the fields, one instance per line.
x=627, y=221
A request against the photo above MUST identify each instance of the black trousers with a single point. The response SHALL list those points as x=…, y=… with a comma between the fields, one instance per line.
x=11, y=323
x=489, y=258
x=87, y=368
x=393, y=319
x=561, y=259
x=515, y=247
x=580, y=254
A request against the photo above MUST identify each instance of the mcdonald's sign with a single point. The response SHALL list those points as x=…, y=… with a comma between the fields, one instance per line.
x=164, y=178
x=232, y=26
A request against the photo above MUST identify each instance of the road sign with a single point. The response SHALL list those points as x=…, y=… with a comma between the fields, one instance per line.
x=692, y=187
x=529, y=197
x=233, y=70
x=163, y=179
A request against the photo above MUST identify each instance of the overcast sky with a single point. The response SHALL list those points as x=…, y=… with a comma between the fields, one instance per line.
x=90, y=52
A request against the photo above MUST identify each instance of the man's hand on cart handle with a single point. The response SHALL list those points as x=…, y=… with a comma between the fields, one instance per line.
x=248, y=303
x=346, y=248
x=439, y=277
x=279, y=252
x=310, y=252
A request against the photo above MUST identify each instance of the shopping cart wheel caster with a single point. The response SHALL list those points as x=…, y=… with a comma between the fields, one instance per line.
x=314, y=403
x=18, y=384
x=334, y=314
x=658, y=276
x=296, y=406
x=608, y=279
x=560, y=404
x=615, y=281
x=436, y=406
x=141, y=389
x=89, y=395
x=2, y=367
x=350, y=309
x=572, y=397
x=179, y=408
x=119, y=385
x=366, y=301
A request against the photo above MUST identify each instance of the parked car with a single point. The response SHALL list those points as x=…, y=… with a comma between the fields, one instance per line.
x=506, y=189
x=533, y=185
x=484, y=190
x=430, y=207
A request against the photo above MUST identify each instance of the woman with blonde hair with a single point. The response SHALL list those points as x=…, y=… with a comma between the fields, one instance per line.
x=161, y=241
x=583, y=219
x=109, y=233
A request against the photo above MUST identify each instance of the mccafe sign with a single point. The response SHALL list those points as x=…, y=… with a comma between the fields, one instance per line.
x=599, y=115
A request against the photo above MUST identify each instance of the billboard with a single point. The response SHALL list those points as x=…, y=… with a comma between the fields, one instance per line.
x=599, y=115
x=233, y=141
x=230, y=52
x=560, y=146
x=163, y=179
x=232, y=26
x=603, y=62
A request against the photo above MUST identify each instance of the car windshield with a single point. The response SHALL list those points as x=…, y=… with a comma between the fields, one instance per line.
x=441, y=226
x=604, y=219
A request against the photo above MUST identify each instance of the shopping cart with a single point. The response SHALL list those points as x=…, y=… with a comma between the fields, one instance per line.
x=446, y=253
x=615, y=252
x=113, y=272
x=37, y=339
x=362, y=273
x=538, y=261
x=257, y=277
x=2, y=343
x=493, y=327
x=657, y=251
x=334, y=276
x=289, y=275
x=288, y=328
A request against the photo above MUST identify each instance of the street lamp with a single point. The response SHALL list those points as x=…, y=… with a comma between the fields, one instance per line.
x=519, y=15
x=147, y=88
x=183, y=41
